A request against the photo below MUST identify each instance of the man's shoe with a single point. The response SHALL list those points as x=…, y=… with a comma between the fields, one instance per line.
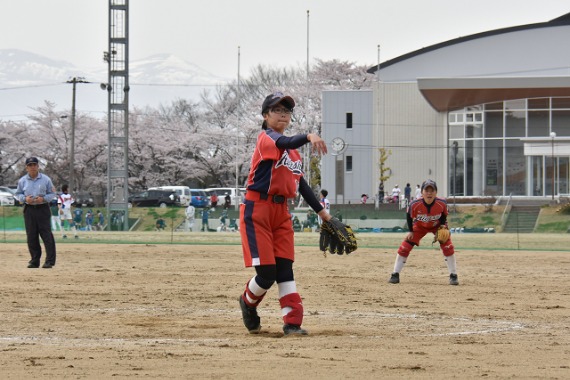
x=250, y=318
x=47, y=265
x=394, y=278
x=33, y=265
x=294, y=330
x=453, y=279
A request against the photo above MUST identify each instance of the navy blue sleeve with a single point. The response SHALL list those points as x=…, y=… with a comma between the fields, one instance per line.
x=308, y=195
x=293, y=142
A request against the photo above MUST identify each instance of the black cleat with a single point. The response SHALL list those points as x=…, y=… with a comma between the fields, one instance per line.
x=250, y=318
x=395, y=278
x=47, y=265
x=31, y=264
x=453, y=279
x=294, y=330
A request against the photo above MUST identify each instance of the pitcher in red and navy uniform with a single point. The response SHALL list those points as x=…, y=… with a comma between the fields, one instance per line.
x=425, y=215
x=266, y=227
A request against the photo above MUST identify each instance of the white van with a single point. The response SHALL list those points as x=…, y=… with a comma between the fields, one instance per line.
x=222, y=191
x=183, y=192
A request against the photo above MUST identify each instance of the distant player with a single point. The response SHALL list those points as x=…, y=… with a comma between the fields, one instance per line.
x=66, y=202
x=425, y=215
x=325, y=203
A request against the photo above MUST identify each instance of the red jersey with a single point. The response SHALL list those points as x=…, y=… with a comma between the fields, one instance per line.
x=427, y=217
x=274, y=171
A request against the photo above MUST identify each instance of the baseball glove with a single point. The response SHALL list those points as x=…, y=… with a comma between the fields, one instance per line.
x=441, y=235
x=337, y=237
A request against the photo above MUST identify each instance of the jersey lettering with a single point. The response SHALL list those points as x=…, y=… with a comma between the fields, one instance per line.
x=296, y=167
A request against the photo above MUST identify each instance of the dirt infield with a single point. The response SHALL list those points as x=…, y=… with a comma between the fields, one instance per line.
x=171, y=311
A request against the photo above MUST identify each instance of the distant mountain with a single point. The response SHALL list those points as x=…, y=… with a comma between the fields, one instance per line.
x=21, y=68
x=28, y=79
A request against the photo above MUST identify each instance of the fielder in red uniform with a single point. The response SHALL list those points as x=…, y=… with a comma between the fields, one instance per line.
x=425, y=215
x=265, y=222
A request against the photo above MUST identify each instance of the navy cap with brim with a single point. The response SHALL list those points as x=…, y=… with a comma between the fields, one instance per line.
x=429, y=183
x=277, y=98
x=32, y=160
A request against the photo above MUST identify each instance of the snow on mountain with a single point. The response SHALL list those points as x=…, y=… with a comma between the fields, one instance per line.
x=21, y=68
x=27, y=80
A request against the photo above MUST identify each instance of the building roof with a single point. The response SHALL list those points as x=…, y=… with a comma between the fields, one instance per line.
x=559, y=21
x=448, y=94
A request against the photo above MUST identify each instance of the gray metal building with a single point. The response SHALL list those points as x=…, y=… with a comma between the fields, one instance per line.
x=483, y=115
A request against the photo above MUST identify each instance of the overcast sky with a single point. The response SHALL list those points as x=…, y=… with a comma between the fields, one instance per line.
x=208, y=32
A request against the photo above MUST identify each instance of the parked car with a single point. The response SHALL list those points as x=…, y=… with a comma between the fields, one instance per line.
x=199, y=198
x=153, y=198
x=4, y=190
x=222, y=191
x=183, y=193
x=7, y=198
x=84, y=199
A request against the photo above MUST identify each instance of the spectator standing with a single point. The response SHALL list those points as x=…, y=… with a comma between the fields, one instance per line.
x=418, y=192
x=363, y=198
x=205, y=216
x=190, y=215
x=407, y=193
x=325, y=203
x=78, y=218
x=214, y=200
x=66, y=202
x=396, y=194
x=89, y=220
x=35, y=190
x=100, y=220
x=55, y=208
x=227, y=201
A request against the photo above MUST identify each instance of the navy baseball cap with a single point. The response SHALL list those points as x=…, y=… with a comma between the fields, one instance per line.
x=276, y=98
x=429, y=183
x=32, y=160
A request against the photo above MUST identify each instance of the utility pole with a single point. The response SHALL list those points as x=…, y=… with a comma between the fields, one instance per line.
x=73, y=81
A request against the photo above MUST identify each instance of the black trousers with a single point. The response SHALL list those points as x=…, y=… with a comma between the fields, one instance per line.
x=38, y=224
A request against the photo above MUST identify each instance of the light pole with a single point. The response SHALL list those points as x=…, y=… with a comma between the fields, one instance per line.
x=73, y=81
x=455, y=149
x=552, y=137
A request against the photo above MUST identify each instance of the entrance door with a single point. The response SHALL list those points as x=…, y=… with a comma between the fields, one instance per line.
x=537, y=175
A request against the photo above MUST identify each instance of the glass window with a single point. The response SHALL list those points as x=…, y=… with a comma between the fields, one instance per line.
x=540, y=103
x=515, y=169
x=348, y=163
x=493, y=124
x=494, y=106
x=560, y=102
x=456, y=160
x=561, y=123
x=538, y=122
x=451, y=118
x=493, y=167
x=349, y=120
x=456, y=131
x=515, y=104
x=515, y=123
x=473, y=131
